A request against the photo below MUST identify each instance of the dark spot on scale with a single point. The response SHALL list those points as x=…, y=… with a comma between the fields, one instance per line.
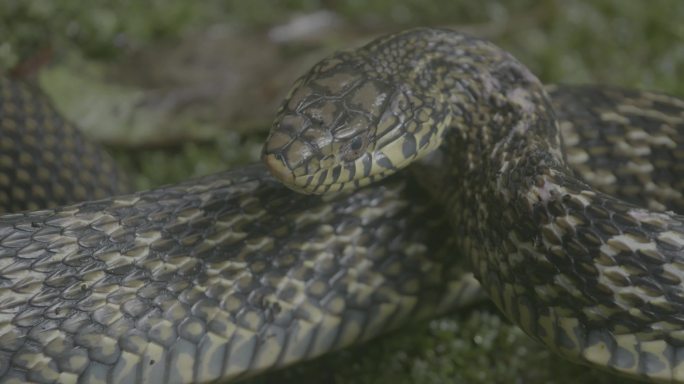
x=35, y=225
x=625, y=220
x=287, y=294
x=556, y=208
x=587, y=236
x=336, y=173
x=408, y=148
x=425, y=140
x=385, y=163
x=595, y=211
x=322, y=176
x=622, y=358
x=352, y=171
x=564, y=340
x=367, y=165
x=152, y=362
x=651, y=363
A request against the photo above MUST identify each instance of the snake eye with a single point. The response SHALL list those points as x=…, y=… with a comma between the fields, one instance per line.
x=354, y=148
x=356, y=144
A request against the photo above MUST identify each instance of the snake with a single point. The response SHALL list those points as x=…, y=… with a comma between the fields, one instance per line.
x=551, y=194
x=593, y=277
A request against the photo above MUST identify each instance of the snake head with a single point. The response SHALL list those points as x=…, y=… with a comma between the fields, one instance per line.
x=345, y=125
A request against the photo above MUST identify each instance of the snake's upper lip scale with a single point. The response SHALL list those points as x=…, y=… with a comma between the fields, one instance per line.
x=278, y=168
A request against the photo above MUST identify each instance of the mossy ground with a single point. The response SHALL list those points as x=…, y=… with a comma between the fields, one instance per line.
x=138, y=76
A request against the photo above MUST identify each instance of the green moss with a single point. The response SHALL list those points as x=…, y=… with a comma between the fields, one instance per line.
x=100, y=29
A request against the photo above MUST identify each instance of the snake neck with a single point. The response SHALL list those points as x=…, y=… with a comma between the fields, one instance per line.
x=588, y=275
x=502, y=142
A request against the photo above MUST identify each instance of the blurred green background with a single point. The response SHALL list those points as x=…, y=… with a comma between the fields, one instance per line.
x=176, y=88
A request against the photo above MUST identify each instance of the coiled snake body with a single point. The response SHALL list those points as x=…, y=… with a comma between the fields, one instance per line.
x=232, y=274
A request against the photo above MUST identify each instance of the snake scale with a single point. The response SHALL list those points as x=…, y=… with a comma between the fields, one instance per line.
x=232, y=274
